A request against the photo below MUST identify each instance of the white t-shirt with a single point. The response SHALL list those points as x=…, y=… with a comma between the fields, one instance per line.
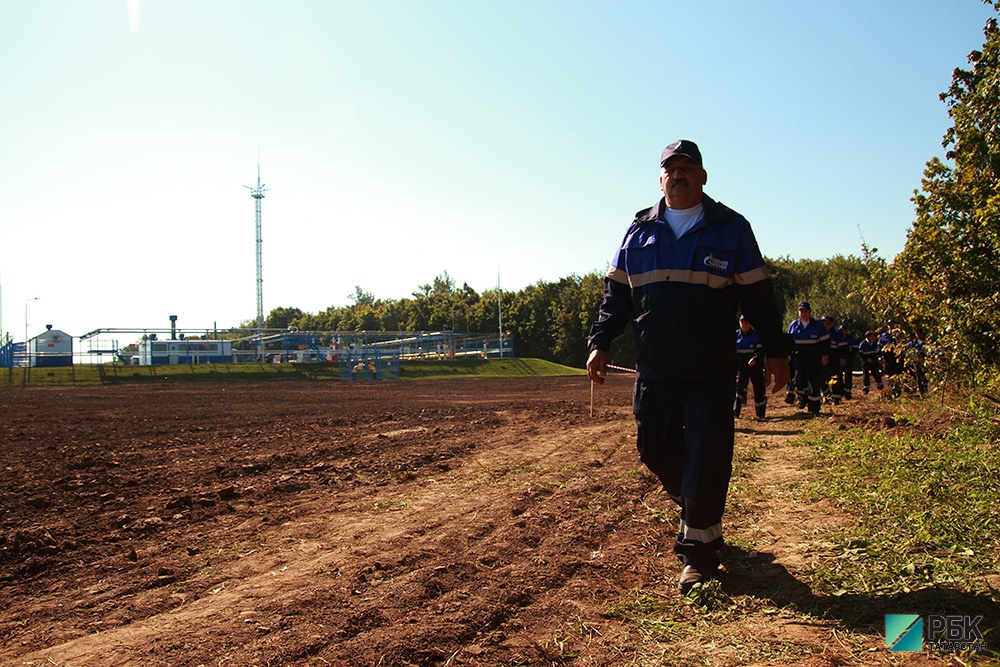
x=681, y=220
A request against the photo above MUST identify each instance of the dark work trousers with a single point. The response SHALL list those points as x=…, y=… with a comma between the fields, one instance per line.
x=870, y=369
x=808, y=381
x=753, y=375
x=834, y=380
x=847, y=376
x=685, y=437
x=790, y=389
x=890, y=362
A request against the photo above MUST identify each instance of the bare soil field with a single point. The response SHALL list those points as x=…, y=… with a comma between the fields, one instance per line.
x=433, y=522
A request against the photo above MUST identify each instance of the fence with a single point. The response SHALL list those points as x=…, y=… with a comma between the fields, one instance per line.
x=270, y=346
x=368, y=364
x=8, y=351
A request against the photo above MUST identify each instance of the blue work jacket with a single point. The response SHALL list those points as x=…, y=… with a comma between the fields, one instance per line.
x=812, y=342
x=748, y=346
x=682, y=295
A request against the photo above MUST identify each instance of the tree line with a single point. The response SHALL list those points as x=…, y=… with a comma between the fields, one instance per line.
x=551, y=320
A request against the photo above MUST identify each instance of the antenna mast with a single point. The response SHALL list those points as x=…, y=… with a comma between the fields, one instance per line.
x=258, y=193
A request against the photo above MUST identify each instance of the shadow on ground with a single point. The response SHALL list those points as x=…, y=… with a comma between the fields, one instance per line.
x=756, y=574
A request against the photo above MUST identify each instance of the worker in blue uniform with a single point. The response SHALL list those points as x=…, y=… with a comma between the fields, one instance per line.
x=850, y=354
x=890, y=350
x=837, y=359
x=749, y=369
x=685, y=268
x=871, y=366
x=810, y=354
x=915, y=357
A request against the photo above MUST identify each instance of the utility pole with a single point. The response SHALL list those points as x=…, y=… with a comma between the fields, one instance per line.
x=27, y=354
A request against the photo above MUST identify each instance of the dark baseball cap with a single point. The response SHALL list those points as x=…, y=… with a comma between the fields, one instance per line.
x=804, y=305
x=681, y=147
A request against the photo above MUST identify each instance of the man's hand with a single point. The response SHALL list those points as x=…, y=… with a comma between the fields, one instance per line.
x=776, y=368
x=597, y=366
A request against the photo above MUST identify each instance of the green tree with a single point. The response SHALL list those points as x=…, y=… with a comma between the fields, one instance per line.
x=836, y=287
x=361, y=297
x=282, y=318
x=945, y=279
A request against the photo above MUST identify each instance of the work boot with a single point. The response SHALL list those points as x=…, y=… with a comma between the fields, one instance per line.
x=690, y=576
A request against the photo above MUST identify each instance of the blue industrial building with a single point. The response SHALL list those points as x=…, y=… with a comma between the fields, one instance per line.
x=51, y=348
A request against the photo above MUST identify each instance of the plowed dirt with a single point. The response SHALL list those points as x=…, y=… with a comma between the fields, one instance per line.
x=459, y=522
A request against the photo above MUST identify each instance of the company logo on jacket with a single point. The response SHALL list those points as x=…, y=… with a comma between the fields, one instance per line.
x=717, y=264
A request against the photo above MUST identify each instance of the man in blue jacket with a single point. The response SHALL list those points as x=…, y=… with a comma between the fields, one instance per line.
x=870, y=365
x=749, y=369
x=811, y=354
x=851, y=352
x=836, y=362
x=683, y=271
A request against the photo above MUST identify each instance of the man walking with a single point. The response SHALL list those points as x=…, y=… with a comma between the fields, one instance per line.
x=888, y=349
x=870, y=365
x=683, y=271
x=847, y=368
x=836, y=361
x=811, y=353
x=749, y=369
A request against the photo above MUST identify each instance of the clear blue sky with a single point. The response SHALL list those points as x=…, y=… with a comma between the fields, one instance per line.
x=402, y=139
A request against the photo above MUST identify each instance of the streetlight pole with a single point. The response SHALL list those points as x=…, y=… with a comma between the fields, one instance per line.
x=26, y=349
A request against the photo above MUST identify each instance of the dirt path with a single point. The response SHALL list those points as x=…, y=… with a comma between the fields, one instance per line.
x=465, y=522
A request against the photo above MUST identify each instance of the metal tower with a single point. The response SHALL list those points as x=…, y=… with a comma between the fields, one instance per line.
x=258, y=193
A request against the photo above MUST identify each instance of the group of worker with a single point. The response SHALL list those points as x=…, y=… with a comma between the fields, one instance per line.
x=885, y=353
x=822, y=362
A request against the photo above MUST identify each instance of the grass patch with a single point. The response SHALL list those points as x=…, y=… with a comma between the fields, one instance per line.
x=705, y=627
x=920, y=487
x=925, y=505
x=118, y=374
x=423, y=370
x=650, y=614
x=410, y=370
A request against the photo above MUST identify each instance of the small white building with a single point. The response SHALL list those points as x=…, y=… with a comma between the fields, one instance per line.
x=182, y=351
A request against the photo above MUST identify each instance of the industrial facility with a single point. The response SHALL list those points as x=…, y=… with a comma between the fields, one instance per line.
x=360, y=354
x=48, y=349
